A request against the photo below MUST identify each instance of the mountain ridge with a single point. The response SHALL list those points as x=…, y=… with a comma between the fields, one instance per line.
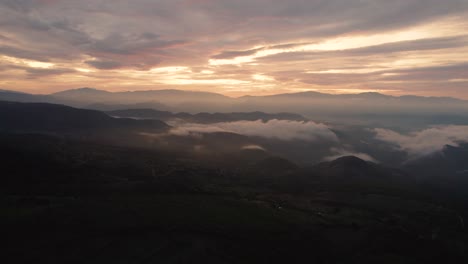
x=18, y=116
x=297, y=94
x=341, y=108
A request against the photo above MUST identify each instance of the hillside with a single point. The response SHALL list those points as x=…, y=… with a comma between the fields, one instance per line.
x=107, y=198
x=30, y=117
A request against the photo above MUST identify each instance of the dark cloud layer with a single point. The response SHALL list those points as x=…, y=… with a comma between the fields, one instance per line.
x=104, y=65
x=235, y=53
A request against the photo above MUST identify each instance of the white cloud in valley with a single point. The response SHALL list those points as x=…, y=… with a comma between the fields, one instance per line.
x=273, y=129
x=425, y=141
x=339, y=152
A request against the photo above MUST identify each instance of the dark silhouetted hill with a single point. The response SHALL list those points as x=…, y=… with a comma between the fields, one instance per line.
x=13, y=96
x=451, y=161
x=353, y=168
x=27, y=117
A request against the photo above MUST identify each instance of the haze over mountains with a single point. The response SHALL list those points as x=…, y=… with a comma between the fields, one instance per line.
x=305, y=127
x=284, y=134
x=223, y=182
x=368, y=108
x=178, y=96
x=287, y=134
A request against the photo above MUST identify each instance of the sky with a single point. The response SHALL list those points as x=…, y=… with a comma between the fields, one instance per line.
x=236, y=48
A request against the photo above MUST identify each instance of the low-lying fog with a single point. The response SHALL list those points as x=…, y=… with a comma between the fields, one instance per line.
x=309, y=142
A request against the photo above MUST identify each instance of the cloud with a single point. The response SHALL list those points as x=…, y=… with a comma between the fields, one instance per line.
x=111, y=34
x=192, y=129
x=234, y=54
x=411, y=45
x=433, y=44
x=425, y=141
x=103, y=64
x=275, y=129
x=23, y=54
x=130, y=44
x=38, y=72
x=35, y=72
x=435, y=73
x=338, y=153
x=253, y=147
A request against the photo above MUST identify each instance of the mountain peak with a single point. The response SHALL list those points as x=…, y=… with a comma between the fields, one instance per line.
x=349, y=161
x=82, y=90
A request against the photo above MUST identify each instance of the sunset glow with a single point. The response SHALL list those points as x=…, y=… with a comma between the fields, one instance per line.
x=236, y=48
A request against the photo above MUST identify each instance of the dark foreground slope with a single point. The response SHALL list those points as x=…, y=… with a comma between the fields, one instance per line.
x=44, y=117
x=69, y=198
x=68, y=201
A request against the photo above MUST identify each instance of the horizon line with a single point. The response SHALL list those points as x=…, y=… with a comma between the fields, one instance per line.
x=237, y=97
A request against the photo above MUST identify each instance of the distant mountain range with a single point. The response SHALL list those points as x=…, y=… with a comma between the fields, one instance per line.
x=94, y=96
x=14, y=96
x=366, y=108
x=354, y=96
x=170, y=97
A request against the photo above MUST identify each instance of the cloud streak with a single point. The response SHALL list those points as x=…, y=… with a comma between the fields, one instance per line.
x=273, y=129
x=426, y=141
x=339, y=152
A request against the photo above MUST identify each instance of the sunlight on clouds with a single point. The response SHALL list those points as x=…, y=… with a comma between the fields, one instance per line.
x=349, y=42
x=29, y=63
x=354, y=42
x=261, y=77
x=390, y=74
x=405, y=63
x=172, y=69
x=178, y=75
x=38, y=64
x=325, y=56
x=423, y=59
x=206, y=82
x=84, y=70
x=358, y=71
x=237, y=60
x=356, y=91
